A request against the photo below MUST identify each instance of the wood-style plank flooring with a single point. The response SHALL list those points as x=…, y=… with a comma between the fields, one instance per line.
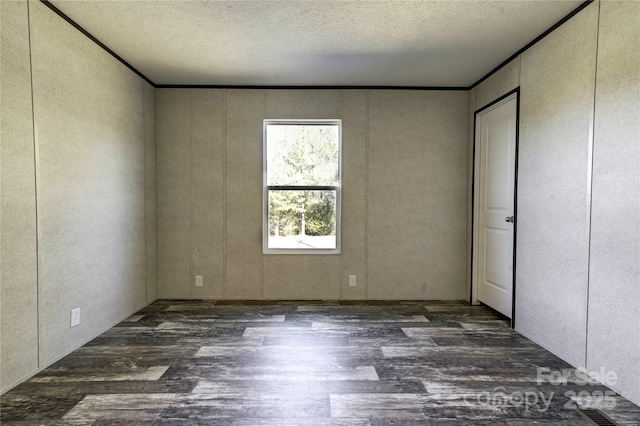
x=309, y=363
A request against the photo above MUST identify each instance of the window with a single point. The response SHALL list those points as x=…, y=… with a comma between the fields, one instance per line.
x=301, y=186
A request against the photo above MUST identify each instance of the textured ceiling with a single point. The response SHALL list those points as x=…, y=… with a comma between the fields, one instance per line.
x=316, y=43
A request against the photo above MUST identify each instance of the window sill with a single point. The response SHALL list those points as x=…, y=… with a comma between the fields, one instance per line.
x=303, y=252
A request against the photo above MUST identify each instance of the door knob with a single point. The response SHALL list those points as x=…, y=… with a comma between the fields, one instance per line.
x=509, y=219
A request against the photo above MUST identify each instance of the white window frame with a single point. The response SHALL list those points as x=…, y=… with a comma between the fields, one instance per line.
x=265, y=187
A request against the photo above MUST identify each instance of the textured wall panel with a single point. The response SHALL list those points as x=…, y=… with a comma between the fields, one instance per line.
x=208, y=192
x=614, y=288
x=150, y=192
x=417, y=195
x=354, y=165
x=291, y=104
x=244, y=194
x=173, y=144
x=557, y=92
x=19, y=317
x=419, y=136
x=503, y=81
x=302, y=276
x=91, y=184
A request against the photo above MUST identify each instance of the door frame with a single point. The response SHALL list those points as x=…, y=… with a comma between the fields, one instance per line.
x=473, y=294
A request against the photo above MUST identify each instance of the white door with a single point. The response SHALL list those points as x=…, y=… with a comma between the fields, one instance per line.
x=496, y=133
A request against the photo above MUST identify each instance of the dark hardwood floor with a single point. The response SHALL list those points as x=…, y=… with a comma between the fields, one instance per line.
x=310, y=363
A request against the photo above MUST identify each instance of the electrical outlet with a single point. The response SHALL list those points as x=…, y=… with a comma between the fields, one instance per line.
x=198, y=280
x=75, y=317
x=352, y=280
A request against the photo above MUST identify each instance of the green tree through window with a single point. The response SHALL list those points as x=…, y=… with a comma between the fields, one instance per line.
x=302, y=185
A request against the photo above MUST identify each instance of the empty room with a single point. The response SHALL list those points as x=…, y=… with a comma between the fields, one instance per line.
x=291, y=212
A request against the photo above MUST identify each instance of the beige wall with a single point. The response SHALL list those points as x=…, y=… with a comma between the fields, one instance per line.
x=578, y=246
x=19, y=292
x=417, y=192
x=557, y=80
x=404, y=192
x=87, y=172
x=150, y=193
x=614, y=284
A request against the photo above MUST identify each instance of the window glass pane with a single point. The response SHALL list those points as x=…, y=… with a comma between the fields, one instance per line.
x=302, y=219
x=302, y=154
